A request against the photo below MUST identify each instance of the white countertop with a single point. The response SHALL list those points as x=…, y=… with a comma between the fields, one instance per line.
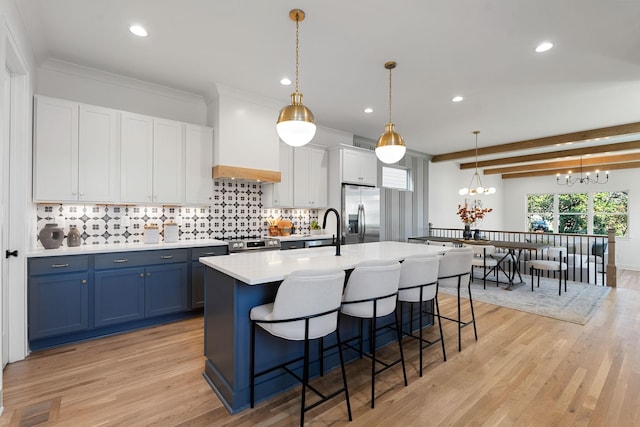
x=272, y=266
x=122, y=247
x=303, y=237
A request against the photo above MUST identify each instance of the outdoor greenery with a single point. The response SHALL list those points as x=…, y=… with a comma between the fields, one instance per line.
x=573, y=212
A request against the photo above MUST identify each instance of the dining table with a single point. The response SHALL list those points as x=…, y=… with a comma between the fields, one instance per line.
x=512, y=254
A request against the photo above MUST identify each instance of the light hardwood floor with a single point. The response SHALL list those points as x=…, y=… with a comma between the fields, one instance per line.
x=524, y=370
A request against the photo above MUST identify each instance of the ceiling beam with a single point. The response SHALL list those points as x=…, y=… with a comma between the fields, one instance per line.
x=604, y=148
x=542, y=142
x=589, y=164
x=614, y=166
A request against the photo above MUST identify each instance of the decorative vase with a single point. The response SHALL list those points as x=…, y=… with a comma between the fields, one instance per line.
x=476, y=234
x=51, y=236
x=73, y=237
x=466, y=234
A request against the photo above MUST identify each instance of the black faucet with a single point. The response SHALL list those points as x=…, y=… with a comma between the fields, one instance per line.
x=338, y=227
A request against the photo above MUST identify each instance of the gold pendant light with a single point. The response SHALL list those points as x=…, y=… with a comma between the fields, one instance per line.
x=475, y=185
x=390, y=147
x=296, y=125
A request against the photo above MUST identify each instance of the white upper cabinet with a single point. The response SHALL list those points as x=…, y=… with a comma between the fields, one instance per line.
x=280, y=194
x=168, y=161
x=359, y=167
x=310, y=177
x=136, y=158
x=99, y=162
x=199, y=160
x=75, y=152
x=152, y=160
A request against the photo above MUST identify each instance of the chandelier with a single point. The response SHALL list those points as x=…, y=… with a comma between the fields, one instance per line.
x=582, y=179
x=475, y=185
x=296, y=125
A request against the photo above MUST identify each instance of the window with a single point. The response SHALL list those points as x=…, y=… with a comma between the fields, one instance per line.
x=396, y=178
x=610, y=211
x=540, y=212
x=579, y=213
x=572, y=213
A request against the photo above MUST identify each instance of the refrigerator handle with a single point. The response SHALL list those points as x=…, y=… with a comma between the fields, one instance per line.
x=364, y=226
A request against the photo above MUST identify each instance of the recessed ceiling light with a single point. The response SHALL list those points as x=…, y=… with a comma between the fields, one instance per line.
x=368, y=110
x=138, y=30
x=544, y=46
x=285, y=81
x=457, y=98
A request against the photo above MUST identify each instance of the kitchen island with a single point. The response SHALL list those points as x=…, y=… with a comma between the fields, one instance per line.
x=236, y=283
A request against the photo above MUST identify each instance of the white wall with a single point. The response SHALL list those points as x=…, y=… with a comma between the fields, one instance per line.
x=627, y=248
x=445, y=179
x=63, y=80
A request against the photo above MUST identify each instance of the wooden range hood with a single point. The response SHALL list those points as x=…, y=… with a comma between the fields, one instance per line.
x=245, y=142
x=234, y=172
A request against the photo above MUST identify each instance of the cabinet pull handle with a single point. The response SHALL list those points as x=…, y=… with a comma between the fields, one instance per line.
x=59, y=265
x=209, y=253
x=166, y=256
x=148, y=274
x=120, y=261
x=141, y=274
x=84, y=281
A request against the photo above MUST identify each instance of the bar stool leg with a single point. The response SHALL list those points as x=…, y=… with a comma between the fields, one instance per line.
x=459, y=321
x=344, y=374
x=437, y=307
x=305, y=370
x=404, y=370
x=473, y=315
x=420, y=341
x=372, y=341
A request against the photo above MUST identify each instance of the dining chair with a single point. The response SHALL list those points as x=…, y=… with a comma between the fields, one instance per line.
x=556, y=260
x=484, y=257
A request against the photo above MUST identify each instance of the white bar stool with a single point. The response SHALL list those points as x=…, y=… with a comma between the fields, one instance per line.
x=455, y=270
x=305, y=308
x=419, y=284
x=371, y=293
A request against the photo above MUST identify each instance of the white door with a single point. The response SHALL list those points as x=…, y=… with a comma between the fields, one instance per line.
x=4, y=212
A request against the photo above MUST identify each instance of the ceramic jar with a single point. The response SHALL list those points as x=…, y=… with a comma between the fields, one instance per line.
x=170, y=232
x=151, y=233
x=73, y=237
x=51, y=236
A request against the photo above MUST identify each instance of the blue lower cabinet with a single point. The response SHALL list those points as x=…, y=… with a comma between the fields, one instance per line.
x=165, y=289
x=58, y=304
x=119, y=296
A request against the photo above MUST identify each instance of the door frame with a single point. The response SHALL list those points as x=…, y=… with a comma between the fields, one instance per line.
x=21, y=210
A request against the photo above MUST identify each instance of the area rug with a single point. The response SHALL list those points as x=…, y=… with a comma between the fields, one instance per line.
x=577, y=305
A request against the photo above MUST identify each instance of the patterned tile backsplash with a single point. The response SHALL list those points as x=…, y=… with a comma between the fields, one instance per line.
x=236, y=213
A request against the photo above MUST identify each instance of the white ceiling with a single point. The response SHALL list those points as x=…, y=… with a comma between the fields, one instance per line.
x=480, y=49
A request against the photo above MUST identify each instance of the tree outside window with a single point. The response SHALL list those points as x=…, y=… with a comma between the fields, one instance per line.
x=579, y=213
x=572, y=213
x=610, y=210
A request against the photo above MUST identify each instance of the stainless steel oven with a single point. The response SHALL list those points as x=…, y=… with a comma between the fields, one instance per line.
x=261, y=244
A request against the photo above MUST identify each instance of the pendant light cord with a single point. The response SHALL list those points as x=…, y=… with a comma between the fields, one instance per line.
x=390, y=95
x=297, y=48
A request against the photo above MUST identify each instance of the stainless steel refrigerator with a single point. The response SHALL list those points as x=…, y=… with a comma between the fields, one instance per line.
x=360, y=214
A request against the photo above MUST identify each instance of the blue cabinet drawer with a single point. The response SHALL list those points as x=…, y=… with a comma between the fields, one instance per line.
x=138, y=259
x=58, y=264
x=196, y=253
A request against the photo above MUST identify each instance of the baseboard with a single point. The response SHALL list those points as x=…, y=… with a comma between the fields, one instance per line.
x=628, y=267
